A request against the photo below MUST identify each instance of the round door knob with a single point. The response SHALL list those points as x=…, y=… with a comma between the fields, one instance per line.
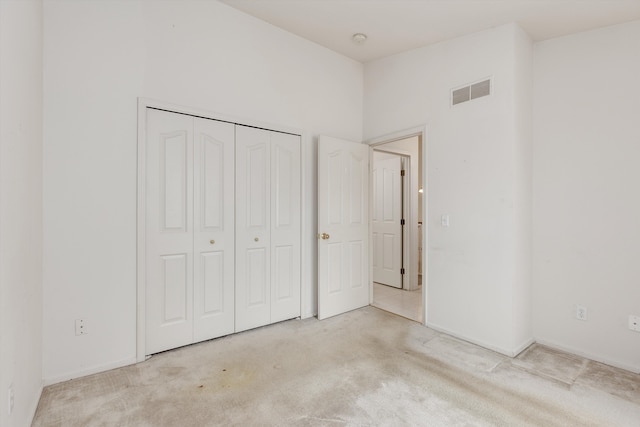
x=256, y=239
x=325, y=236
x=212, y=241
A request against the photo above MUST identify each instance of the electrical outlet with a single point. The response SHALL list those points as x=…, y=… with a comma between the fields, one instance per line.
x=581, y=312
x=634, y=323
x=81, y=327
x=11, y=399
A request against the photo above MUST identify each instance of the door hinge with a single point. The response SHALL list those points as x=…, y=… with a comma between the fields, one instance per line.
x=402, y=172
x=402, y=221
x=402, y=271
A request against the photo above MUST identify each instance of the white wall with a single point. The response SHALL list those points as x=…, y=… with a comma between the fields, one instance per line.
x=20, y=209
x=476, y=173
x=523, y=187
x=587, y=192
x=99, y=57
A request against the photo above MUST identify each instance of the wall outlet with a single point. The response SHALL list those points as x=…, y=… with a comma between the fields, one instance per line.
x=634, y=323
x=581, y=312
x=11, y=399
x=81, y=327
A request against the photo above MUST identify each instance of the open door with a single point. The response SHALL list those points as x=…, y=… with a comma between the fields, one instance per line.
x=343, y=226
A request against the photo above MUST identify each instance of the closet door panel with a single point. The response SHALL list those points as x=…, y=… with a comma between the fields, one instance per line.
x=285, y=226
x=253, y=257
x=169, y=230
x=214, y=246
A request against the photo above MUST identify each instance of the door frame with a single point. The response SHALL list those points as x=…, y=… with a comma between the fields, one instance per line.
x=406, y=238
x=421, y=132
x=306, y=245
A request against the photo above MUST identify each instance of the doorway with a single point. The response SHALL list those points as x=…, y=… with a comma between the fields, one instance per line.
x=397, y=245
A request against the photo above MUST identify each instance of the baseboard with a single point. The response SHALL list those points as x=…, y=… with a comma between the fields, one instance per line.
x=507, y=352
x=525, y=345
x=591, y=356
x=90, y=371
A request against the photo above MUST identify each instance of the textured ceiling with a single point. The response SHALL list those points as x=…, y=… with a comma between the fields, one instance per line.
x=395, y=26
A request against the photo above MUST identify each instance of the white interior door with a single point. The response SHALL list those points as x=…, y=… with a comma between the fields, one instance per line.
x=169, y=230
x=343, y=226
x=386, y=221
x=213, y=187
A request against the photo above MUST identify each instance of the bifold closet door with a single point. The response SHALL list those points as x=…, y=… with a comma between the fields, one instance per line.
x=189, y=230
x=213, y=224
x=267, y=227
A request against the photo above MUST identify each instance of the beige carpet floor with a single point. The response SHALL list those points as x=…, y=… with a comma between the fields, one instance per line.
x=364, y=368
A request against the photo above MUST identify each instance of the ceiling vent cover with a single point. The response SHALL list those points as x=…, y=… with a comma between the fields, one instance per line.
x=473, y=91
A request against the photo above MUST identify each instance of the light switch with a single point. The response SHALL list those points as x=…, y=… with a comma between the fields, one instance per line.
x=444, y=220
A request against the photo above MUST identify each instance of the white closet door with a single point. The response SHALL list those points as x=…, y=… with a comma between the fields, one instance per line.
x=285, y=226
x=213, y=274
x=253, y=223
x=169, y=230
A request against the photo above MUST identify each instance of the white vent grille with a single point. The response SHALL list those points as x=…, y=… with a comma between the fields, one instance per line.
x=473, y=91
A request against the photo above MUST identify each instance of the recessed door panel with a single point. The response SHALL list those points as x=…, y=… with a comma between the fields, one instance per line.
x=283, y=186
x=358, y=176
x=256, y=295
x=173, y=178
x=283, y=282
x=389, y=187
x=174, y=281
x=335, y=191
x=212, y=264
x=213, y=179
x=257, y=190
x=376, y=259
x=356, y=265
x=334, y=268
x=387, y=251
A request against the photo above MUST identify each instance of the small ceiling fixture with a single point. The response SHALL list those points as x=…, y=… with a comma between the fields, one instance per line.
x=359, y=38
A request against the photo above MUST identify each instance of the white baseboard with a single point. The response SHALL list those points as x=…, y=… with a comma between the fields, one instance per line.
x=591, y=356
x=89, y=371
x=513, y=352
x=522, y=347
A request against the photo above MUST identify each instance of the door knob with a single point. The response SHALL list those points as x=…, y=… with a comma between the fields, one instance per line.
x=323, y=236
x=255, y=239
x=212, y=242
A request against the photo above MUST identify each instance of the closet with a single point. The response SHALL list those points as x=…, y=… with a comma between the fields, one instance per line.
x=222, y=228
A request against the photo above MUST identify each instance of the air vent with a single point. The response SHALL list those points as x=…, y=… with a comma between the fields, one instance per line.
x=473, y=91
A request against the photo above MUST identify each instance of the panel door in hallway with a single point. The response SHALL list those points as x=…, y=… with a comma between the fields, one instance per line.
x=343, y=226
x=387, y=217
x=189, y=230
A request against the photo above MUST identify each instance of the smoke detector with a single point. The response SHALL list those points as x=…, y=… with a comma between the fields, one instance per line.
x=359, y=38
